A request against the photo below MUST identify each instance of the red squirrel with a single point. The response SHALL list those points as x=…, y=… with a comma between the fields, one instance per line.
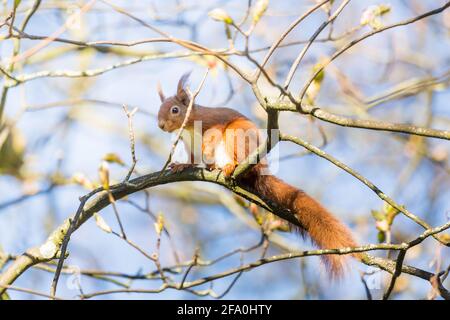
x=219, y=130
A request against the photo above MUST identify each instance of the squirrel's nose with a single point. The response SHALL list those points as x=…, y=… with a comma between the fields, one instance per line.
x=161, y=124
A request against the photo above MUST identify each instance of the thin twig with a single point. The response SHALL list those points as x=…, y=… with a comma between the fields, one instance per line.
x=397, y=273
x=132, y=140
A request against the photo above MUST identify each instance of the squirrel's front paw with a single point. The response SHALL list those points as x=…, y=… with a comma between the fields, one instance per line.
x=178, y=167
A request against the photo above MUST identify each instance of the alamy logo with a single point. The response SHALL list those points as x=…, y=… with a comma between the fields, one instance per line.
x=74, y=19
x=73, y=282
x=217, y=148
x=373, y=278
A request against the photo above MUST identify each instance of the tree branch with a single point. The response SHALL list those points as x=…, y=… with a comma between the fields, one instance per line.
x=52, y=247
x=361, y=123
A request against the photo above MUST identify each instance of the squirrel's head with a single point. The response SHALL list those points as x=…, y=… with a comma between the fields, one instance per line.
x=173, y=109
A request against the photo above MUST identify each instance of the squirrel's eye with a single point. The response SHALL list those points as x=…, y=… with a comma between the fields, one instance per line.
x=175, y=110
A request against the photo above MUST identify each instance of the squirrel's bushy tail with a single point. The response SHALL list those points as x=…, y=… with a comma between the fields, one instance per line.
x=323, y=228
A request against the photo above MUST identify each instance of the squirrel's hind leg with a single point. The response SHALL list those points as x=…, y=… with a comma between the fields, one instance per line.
x=228, y=169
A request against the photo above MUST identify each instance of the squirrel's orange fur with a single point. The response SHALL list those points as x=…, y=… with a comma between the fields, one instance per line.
x=324, y=229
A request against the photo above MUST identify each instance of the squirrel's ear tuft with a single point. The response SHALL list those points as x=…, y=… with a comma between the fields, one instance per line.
x=182, y=95
x=160, y=92
x=182, y=82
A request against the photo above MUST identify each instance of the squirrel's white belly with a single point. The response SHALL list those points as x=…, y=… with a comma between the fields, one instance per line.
x=221, y=157
x=192, y=141
x=210, y=154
